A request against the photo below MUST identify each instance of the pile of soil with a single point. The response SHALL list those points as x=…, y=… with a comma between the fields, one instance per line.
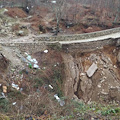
x=13, y=12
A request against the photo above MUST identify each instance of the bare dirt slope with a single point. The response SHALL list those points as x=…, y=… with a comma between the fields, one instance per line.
x=103, y=85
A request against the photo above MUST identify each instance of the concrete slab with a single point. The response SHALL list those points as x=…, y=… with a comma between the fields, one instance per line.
x=92, y=69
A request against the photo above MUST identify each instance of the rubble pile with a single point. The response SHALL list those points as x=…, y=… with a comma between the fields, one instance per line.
x=6, y=26
x=93, y=76
x=10, y=26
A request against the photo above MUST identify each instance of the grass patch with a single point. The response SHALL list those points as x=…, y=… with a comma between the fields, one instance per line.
x=4, y=105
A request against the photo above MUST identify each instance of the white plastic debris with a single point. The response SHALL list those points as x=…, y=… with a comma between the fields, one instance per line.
x=29, y=58
x=14, y=103
x=35, y=61
x=82, y=74
x=35, y=66
x=57, y=98
x=23, y=59
x=53, y=1
x=26, y=54
x=51, y=86
x=15, y=86
x=31, y=61
x=3, y=95
x=45, y=51
x=21, y=89
x=62, y=103
x=28, y=8
x=55, y=65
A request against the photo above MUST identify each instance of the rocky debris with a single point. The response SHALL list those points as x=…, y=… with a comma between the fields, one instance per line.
x=100, y=77
x=4, y=89
x=4, y=63
x=118, y=43
x=118, y=57
x=114, y=94
x=20, y=33
x=92, y=69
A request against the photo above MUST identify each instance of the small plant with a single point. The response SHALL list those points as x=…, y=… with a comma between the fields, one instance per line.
x=112, y=111
x=38, y=82
x=4, y=105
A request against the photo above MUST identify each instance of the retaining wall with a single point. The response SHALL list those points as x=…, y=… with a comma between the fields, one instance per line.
x=79, y=36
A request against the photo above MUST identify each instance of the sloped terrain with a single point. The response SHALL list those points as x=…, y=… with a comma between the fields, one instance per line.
x=31, y=91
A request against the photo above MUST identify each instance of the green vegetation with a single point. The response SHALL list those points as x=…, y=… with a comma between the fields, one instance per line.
x=38, y=82
x=4, y=105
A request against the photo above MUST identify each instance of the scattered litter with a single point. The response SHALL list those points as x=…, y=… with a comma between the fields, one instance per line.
x=21, y=89
x=29, y=58
x=14, y=103
x=53, y=2
x=55, y=65
x=62, y=103
x=15, y=86
x=82, y=74
x=23, y=59
x=31, y=61
x=51, y=86
x=30, y=65
x=36, y=66
x=92, y=69
x=4, y=89
x=45, y=51
x=3, y=95
x=99, y=85
x=44, y=68
x=115, y=66
x=57, y=98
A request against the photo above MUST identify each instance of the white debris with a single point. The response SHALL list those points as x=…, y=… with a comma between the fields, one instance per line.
x=99, y=85
x=82, y=74
x=92, y=69
x=30, y=61
x=57, y=98
x=35, y=61
x=5, y=10
x=35, y=66
x=45, y=51
x=14, y=103
x=115, y=66
x=62, y=103
x=26, y=54
x=51, y=86
x=3, y=95
x=27, y=8
x=15, y=86
x=55, y=65
x=53, y=2
x=29, y=58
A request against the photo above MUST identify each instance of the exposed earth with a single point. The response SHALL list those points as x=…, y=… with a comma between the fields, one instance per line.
x=28, y=92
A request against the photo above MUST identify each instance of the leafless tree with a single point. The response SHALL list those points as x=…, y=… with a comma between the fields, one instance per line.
x=58, y=7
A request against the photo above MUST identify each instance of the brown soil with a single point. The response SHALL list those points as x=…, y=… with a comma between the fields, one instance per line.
x=98, y=87
x=16, y=12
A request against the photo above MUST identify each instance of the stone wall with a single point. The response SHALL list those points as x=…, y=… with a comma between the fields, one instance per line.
x=83, y=46
x=79, y=36
x=87, y=46
x=39, y=45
